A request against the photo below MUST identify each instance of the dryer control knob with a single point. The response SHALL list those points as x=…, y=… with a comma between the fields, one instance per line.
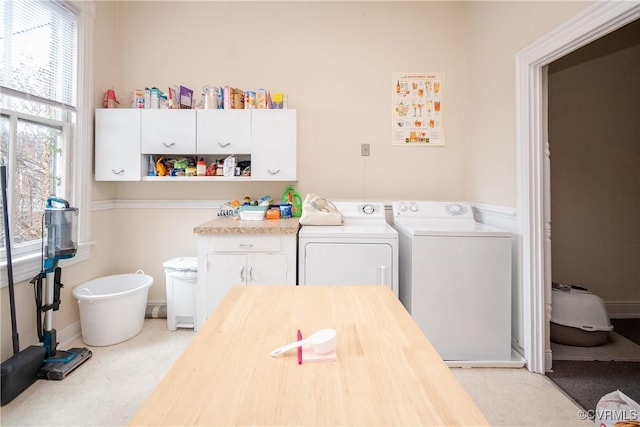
x=403, y=207
x=414, y=207
x=368, y=209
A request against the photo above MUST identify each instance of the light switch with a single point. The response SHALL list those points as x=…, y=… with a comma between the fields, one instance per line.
x=364, y=150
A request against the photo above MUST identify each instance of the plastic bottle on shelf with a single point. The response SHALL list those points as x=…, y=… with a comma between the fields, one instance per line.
x=201, y=167
x=292, y=197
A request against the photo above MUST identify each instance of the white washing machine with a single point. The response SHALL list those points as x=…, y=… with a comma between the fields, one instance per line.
x=455, y=280
x=362, y=251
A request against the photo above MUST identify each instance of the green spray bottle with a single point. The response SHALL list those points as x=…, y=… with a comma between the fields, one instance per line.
x=292, y=197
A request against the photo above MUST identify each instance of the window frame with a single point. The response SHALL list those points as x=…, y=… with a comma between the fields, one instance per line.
x=27, y=265
x=21, y=249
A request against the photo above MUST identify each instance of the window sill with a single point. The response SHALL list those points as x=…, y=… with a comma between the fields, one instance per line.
x=28, y=266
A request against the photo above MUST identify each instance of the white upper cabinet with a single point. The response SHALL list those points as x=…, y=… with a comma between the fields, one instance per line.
x=117, y=151
x=168, y=131
x=223, y=131
x=127, y=139
x=273, y=145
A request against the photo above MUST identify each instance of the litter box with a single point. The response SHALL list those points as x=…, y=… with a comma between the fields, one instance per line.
x=578, y=317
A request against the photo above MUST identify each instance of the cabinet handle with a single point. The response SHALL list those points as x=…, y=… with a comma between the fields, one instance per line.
x=251, y=274
x=242, y=273
x=224, y=145
x=246, y=245
x=172, y=144
x=115, y=172
x=273, y=173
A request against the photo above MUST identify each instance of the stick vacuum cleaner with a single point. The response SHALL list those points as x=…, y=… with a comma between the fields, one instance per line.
x=59, y=243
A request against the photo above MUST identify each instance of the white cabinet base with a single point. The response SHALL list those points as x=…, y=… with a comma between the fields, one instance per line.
x=227, y=260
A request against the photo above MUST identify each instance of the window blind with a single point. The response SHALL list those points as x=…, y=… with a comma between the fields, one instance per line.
x=38, y=51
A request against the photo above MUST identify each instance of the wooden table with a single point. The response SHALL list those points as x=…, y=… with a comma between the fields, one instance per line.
x=386, y=372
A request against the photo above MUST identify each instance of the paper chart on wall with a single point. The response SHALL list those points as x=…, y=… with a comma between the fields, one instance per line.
x=418, y=109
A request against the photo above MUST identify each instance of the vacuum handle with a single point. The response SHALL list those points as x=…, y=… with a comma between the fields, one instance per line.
x=57, y=200
x=4, y=177
x=7, y=246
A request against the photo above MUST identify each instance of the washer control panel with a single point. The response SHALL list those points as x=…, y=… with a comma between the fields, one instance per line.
x=363, y=210
x=432, y=209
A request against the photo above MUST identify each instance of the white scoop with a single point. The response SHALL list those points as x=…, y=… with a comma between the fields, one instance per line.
x=322, y=342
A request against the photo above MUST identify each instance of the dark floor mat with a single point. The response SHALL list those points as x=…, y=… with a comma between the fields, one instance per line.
x=587, y=382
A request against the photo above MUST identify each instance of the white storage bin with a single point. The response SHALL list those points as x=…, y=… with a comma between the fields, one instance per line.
x=181, y=277
x=252, y=213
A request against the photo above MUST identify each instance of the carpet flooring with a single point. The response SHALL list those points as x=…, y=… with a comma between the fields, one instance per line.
x=587, y=381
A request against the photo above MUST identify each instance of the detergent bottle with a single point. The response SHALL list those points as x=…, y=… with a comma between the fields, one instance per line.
x=291, y=196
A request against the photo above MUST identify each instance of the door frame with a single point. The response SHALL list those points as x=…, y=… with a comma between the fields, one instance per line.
x=533, y=190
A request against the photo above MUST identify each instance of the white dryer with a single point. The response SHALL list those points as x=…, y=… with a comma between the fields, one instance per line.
x=455, y=280
x=362, y=251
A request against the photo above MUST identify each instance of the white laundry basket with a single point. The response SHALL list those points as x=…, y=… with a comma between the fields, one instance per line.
x=181, y=277
x=112, y=307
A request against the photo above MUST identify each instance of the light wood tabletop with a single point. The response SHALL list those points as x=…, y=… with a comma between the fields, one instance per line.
x=386, y=372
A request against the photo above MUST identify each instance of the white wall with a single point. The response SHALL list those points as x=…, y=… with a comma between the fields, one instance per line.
x=334, y=59
x=497, y=31
x=335, y=62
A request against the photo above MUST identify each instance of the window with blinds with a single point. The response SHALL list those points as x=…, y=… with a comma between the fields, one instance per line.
x=38, y=98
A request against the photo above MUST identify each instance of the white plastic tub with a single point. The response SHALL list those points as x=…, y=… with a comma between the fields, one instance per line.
x=112, y=307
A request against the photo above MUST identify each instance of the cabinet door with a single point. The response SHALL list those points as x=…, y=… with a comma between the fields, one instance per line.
x=266, y=269
x=273, y=145
x=223, y=131
x=117, y=149
x=223, y=272
x=168, y=131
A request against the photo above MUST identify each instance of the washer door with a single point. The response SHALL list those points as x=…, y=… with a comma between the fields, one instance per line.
x=348, y=264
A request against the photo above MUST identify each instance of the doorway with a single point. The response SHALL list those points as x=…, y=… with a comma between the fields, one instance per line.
x=593, y=135
x=533, y=208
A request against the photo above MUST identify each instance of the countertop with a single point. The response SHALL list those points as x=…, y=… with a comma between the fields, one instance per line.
x=386, y=371
x=230, y=225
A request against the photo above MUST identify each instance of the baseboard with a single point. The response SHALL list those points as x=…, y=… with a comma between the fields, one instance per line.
x=68, y=334
x=156, y=310
x=623, y=309
x=548, y=360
